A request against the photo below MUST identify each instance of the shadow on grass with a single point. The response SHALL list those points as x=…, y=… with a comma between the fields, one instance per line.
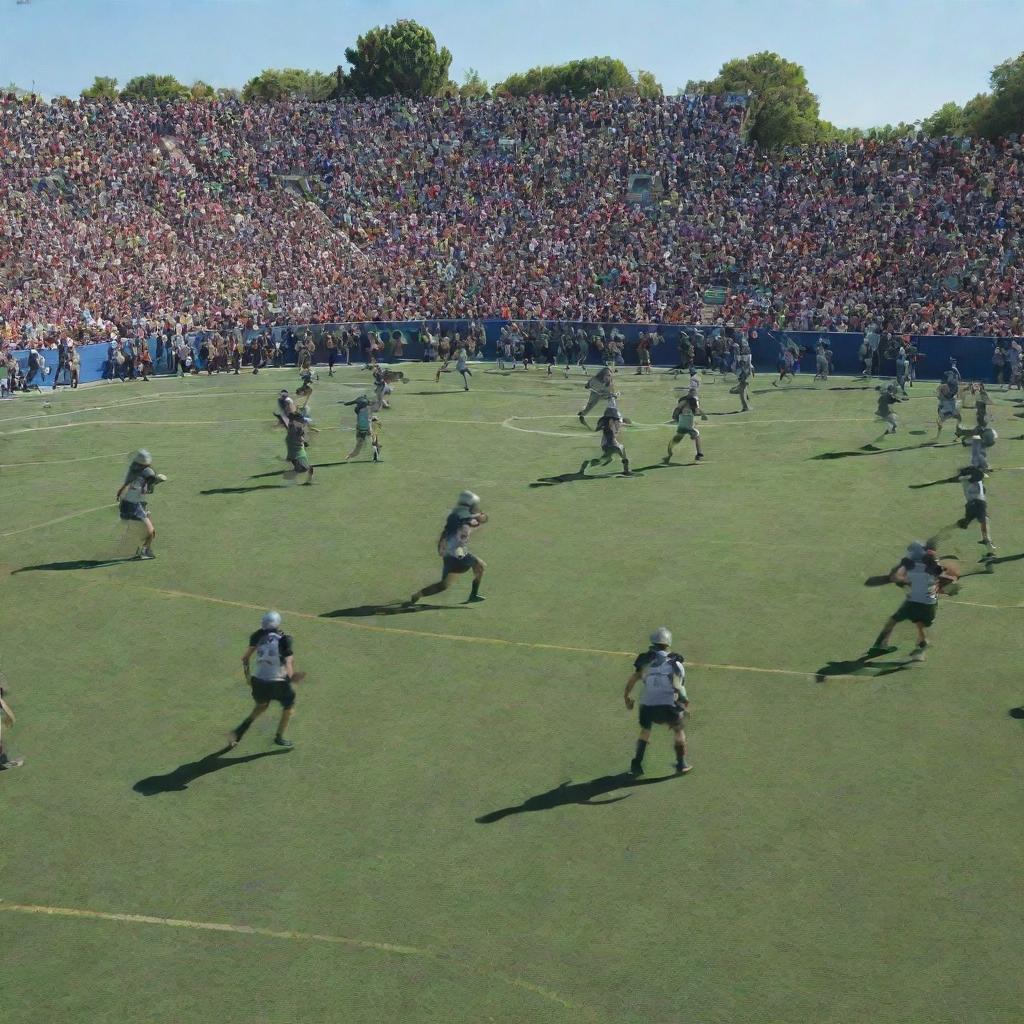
x=281, y=472
x=179, y=779
x=428, y=394
x=988, y=564
x=583, y=793
x=80, y=563
x=870, y=668
x=393, y=608
x=1017, y=712
x=872, y=450
x=242, y=490
x=935, y=483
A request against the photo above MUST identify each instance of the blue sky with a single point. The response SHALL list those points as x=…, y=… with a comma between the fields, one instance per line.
x=870, y=61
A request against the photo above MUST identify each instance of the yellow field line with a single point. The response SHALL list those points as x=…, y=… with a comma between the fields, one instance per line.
x=295, y=936
x=59, y=519
x=463, y=638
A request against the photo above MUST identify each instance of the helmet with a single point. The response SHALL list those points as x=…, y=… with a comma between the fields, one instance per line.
x=915, y=550
x=612, y=413
x=142, y=457
x=989, y=437
x=284, y=392
x=271, y=620
x=467, y=499
x=662, y=635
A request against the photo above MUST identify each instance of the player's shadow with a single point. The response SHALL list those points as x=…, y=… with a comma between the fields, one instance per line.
x=868, y=667
x=989, y=562
x=568, y=478
x=362, y=611
x=78, y=563
x=281, y=472
x=583, y=793
x=873, y=451
x=178, y=780
x=732, y=412
x=242, y=490
x=428, y=394
x=1017, y=712
x=935, y=483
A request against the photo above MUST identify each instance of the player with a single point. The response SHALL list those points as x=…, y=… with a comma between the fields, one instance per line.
x=610, y=424
x=381, y=388
x=139, y=481
x=296, y=439
x=6, y=721
x=687, y=408
x=453, y=547
x=367, y=428
x=976, y=507
x=785, y=366
x=664, y=700
x=742, y=388
x=600, y=387
x=902, y=369
x=271, y=678
x=921, y=572
x=888, y=397
x=285, y=406
x=820, y=363
x=462, y=367
x=949, y=406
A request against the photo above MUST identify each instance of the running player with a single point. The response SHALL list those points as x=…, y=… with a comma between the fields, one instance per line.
x=139, y=481
x=381, y=388
x=902, y=369
x=453, y=547
x=922, y=573
x=664, y=700
x=686, y=410
x=610, y=424
x=600, y=387
x=785, y=366
x=462, y=366
x=888, y=397
x=976, y=507
x=296, y=439
x=820, y=363
x=285, y=406
x=270, y=679
x=742, y=384
x=366, y=427
x=949, y=406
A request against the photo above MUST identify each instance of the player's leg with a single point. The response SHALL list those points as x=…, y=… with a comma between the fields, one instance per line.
x=360, y=441
x=435, y=588
x=625, y=461
x=679, y=742
x=636, y=766
x=287, y=710
x=236, y=734
x=697, y=444
x=478, y=573
x=881, y=644
x=673, y=441
x=146, y=549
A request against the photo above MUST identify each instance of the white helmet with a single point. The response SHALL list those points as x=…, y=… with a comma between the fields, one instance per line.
x=469, y=500
x=142, y=457
x=989, y=437
x=271, y=620
x=662, y=635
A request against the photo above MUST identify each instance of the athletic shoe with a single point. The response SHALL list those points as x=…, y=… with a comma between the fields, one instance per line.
x=682, y=769
x=581, y=418
x=233, y=740
x=474, y=599
x=635, y=768
x=282, y=742
x=700, y=455
x=875, y=652
x=415, y=597
x=145, y=554
x=583, y=467
x=665, y=461
x=14, y=762
x=918, y=653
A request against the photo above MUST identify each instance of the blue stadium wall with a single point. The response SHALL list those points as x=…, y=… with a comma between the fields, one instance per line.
x=973, y=354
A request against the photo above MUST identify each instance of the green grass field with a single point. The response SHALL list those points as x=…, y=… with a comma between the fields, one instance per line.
x=846, y=850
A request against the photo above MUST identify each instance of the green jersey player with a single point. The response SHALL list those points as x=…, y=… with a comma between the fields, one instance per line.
x=686, y=411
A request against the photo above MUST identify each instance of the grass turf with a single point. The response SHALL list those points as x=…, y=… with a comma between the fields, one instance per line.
x=845, y=850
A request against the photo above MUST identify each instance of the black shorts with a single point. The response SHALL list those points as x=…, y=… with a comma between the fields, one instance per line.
x=975, y=509
x=263, y=692
x=133, y=510
x=660, y=714
x=915, y=611
x=455, y=566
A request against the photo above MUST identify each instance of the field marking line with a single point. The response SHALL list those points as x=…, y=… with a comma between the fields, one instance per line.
x=485, y=640
x=145, y=423
x=59, y=519
x=295, y=936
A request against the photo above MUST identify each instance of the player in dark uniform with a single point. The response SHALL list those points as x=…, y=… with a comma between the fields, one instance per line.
x=742, y=387
x=684, y=414
x=139, y=481
x=453, y=547
x=601, y=387
x=271, y=678
x=888, y=397
x=664, y=700
x=976, y=504
x=610, y=425
x=295, y=441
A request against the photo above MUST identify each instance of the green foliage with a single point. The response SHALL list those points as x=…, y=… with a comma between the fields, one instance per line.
x=1004, y=113
x=648, y=86
x=576, y=78
x=830, y=133
x=891, y=132
x=154, y=87
x=228, y=93
x=783, y=111
x=976, y=113
x=200, y=90
x=102, y=88
x=473, y=86
x=401, y=59
x=274, y=84
x=947, y=120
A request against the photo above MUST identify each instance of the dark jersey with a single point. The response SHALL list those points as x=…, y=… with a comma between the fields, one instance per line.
x=885, y=403
x=272, y=647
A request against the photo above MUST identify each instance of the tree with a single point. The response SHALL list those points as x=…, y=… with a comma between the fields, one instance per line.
x=1003, y=114
x=154, y=87
x=648, y=86
x=891, y=132
x=400, y=59
x=947, y=120
x=577, y=78
x=102, y=88
x=226, y=93
x=976, y=113
x=473, y=86
x=200, y=90
x=782, y=110
x=287, y=83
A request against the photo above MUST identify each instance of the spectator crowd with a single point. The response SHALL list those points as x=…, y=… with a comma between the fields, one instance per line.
x=119, y=220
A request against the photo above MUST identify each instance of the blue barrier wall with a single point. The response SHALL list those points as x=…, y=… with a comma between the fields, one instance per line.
x=973, y=355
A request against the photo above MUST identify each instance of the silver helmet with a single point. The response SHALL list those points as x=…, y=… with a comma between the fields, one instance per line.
x=142, y=457
x=662, y=635
x=469, y=500
x=271, y=620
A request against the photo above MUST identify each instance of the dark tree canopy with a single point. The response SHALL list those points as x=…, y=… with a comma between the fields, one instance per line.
x=576, y=78
x=398, y=60
x=154, y=87
x=102, y=88
x=274, y=84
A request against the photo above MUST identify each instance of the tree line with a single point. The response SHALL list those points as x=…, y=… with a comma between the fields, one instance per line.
x=404, y=59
